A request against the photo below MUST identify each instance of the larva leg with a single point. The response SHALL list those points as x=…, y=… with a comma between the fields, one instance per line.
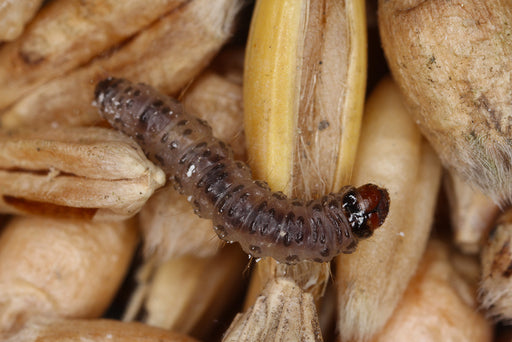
x=265, y=223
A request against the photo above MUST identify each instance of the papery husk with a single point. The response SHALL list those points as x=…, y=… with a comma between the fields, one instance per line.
x=92, y=173
x=304, y=87
x=67, y=34
x=189, y=294
x=496, y=259
x=392, y=154
x=282, y=312
x=439, y=303
x=217, y=98
x=166, y=55
x=303, y=110
x=453, y=63
x=61, y=268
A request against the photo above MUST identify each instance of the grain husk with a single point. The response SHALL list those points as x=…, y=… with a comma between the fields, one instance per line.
x=100, y=330
x=392, y=154
x=453, y=62
x=167, y=55
x=189, y=294
x=61, y=268
x=303, y=100
x=439, y=303
x=93, y=173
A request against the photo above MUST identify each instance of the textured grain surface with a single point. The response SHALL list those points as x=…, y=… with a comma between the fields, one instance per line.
x=392, y=153
x=91, y=172
x=61, y=268
x=283, y=312
x=452, y=61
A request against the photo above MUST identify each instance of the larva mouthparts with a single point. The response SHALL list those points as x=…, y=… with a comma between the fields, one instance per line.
x=265, y=223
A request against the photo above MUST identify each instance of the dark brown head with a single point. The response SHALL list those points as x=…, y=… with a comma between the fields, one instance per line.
x=366, y=208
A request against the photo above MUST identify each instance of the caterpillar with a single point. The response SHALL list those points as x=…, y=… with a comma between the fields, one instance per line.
x=263, y=222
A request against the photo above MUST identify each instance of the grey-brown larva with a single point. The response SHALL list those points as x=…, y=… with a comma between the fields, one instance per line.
x=265, y=223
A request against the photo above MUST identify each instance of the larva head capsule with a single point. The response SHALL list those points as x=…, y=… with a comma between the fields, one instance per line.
x=367, y=208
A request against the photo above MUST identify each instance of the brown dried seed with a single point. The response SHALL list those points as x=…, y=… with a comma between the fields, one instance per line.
x=303, y=100
x=434, y=306
x=453, y=61
x=57, y=267
x=188, y=294
x=92, y=172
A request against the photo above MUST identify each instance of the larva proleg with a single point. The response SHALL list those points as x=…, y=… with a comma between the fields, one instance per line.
x=265, y=223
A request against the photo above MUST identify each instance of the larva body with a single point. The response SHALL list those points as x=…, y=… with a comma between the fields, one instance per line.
x=265, y=223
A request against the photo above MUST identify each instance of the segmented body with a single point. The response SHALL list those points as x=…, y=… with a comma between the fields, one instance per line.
x=265, y=223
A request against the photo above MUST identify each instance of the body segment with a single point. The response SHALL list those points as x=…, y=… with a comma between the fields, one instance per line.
x=244, y=210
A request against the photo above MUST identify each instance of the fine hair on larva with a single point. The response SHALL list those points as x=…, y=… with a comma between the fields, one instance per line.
x=263, y=222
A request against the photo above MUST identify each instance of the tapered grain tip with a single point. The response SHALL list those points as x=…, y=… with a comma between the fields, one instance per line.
x=376, y=204
x=283, y=312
